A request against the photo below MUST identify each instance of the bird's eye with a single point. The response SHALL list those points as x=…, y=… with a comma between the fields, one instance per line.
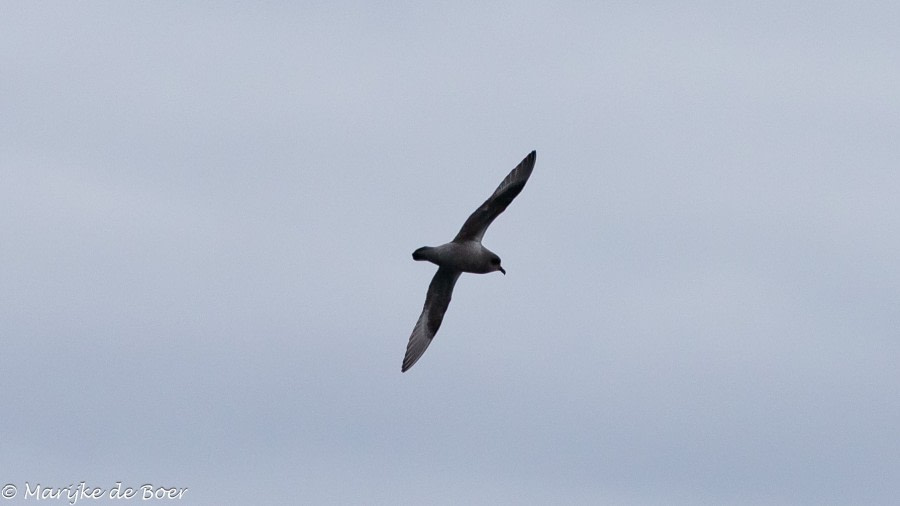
x=495, y=260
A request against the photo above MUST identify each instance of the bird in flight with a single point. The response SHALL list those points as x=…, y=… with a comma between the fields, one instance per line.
x=463, y=254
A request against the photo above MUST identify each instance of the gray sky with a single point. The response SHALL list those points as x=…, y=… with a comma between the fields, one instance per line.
x=208, y=211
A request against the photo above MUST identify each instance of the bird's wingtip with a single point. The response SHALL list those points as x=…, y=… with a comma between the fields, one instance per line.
x=408, y=362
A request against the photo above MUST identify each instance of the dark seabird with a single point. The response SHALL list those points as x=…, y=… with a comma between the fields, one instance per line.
x=463, y=254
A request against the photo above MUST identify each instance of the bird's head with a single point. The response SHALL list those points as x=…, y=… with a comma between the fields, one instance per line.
x=495, y=264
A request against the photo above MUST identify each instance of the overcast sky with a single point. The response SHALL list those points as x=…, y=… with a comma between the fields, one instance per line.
x=208, y=209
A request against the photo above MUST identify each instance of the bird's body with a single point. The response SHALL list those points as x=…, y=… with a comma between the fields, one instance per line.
x=463, y=254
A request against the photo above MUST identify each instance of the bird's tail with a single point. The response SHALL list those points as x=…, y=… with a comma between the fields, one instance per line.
x=421, y=253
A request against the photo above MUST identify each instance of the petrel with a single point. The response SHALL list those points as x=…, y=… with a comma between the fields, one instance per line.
x=463, y=254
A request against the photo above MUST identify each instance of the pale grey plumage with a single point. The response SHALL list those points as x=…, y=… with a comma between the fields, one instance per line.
x=464, y=254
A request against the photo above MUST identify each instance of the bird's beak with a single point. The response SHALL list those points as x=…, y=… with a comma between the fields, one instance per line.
x=502, y=270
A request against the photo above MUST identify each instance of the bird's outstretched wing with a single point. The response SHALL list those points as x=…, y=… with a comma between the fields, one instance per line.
x=439, y=292
x=474, y=227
